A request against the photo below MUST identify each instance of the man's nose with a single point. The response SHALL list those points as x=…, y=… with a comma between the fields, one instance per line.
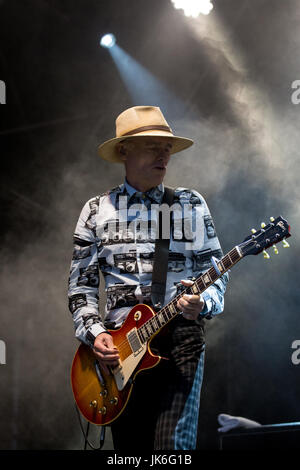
x=164, y=154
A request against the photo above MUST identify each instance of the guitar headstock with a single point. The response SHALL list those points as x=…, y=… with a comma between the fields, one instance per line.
x=269, y=235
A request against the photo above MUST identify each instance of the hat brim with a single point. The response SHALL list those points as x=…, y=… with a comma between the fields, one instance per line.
x=108, y=150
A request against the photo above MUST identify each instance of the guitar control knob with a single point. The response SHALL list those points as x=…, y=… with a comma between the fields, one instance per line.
x=94, y=403
x=102, y=410
x=114, y=401
x=137, y=315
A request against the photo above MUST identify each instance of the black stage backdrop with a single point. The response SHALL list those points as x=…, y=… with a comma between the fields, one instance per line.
x=226, y=80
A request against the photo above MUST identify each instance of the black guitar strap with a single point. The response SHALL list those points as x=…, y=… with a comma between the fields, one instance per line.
x=161, y=255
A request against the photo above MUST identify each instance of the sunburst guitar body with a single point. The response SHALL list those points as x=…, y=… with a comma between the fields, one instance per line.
x=101, y=398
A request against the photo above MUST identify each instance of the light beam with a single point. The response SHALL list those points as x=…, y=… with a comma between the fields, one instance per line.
x=193, y=8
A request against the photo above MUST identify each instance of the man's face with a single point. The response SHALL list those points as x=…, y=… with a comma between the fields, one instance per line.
x=147, y=159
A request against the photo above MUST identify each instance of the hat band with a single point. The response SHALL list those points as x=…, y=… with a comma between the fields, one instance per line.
x=147, y=128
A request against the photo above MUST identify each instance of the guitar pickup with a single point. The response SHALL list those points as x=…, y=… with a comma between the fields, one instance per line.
x=134, y=341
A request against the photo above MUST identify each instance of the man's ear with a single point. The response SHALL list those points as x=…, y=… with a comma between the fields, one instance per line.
x=121, y=149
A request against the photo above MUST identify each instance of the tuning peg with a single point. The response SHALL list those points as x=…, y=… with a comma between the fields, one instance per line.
x=262, y=225
x=275, y=249
x=253, y=230
x=272, y=219
x=285, y=244
x=266, y=255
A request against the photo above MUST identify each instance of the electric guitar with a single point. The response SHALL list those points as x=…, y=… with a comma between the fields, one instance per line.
x=101, y=398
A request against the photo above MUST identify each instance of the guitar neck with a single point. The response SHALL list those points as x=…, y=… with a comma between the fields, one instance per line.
x=170, y=310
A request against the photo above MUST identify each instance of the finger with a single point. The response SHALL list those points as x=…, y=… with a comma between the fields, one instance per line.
x=189, y=305
x=185, y=311
x=107, y=363
x=194, y=299
x=104, y=368
x=105, y=344
x=190, y=311
x=187, y=282
x=193, y=309
x=105, y=350
x=107, y=355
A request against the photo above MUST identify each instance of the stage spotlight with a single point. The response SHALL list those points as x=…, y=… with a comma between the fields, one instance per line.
x=108, y=41
x=193, y=7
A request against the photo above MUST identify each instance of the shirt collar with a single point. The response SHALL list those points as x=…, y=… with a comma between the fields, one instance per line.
x=155, y=193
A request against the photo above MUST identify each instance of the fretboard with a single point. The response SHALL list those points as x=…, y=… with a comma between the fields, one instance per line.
x=169, y=311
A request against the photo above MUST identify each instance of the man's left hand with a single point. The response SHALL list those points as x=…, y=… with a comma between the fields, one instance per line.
x=190, y=305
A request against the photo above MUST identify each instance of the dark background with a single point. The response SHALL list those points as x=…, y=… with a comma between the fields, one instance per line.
x=227, y=80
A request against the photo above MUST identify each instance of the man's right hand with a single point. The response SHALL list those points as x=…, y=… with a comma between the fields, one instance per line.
x=105, y=351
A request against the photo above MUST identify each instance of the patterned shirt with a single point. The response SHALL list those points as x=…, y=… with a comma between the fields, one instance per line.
x=116, y=234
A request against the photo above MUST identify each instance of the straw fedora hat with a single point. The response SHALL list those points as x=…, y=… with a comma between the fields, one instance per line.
x=141, y=122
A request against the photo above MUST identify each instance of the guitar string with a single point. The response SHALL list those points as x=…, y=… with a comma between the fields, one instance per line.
x=226, y=260
x=231, y=258
x=166, y=309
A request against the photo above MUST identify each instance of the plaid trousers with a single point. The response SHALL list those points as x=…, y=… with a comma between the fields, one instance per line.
x=162, y=412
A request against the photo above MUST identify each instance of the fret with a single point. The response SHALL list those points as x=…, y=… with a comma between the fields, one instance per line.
x=157, y=321
x=146, y=330
x=172, y=308
x=194, y=288
x=213, y=274
x=221, y=266
x=206, y=279
x=151, y=326
x=141, y=335
x=201, y=285
x=169, y=313
x=227, y=262
x=165, y=316
x=161, y=319
x=234, y=255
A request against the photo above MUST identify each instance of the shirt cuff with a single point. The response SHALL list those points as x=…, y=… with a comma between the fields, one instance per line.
x=206, y=311
x=93, y=332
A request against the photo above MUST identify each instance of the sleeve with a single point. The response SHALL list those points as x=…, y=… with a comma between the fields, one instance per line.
x=210, y=246
x=83, y=289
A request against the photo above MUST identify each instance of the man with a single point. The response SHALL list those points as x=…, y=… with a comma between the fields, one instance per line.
x=162, y=412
